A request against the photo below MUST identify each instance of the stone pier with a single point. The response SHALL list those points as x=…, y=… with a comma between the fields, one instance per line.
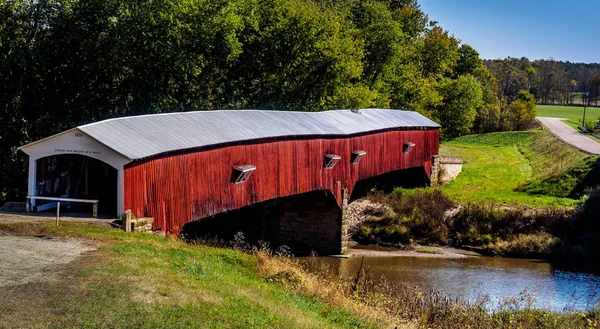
x=310, y=222
x=445, y=168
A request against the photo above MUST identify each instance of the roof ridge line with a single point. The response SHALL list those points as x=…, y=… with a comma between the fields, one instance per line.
x=227, y=110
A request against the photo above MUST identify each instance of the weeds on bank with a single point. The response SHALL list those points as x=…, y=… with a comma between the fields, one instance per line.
x=517, y=232
x=432, y=309
x=427, y=216
x=416, y=215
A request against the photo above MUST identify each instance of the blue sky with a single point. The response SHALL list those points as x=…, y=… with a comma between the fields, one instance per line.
x=563, y=30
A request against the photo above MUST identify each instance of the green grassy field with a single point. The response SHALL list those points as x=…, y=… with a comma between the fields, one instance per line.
x=498, y=166
x=145, y=281
x=573, y=114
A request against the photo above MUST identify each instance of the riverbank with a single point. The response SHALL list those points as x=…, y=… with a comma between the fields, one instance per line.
x=134, y=280
x=427, y=217
x=137, y=280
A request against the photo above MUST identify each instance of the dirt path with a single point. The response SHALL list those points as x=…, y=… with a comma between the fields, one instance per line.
x=30, y=260
x=40, y=276
x=570, y=135
x=25, y=260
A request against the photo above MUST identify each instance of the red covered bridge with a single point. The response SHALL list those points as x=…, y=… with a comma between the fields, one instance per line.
x=182, y=167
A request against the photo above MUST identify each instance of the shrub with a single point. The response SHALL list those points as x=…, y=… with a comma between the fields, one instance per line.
x=477, y=220
x=590, y=210
x=579, y=237
x=525, y=245
x=383, y=230
x=521, y=111
x=416, y=214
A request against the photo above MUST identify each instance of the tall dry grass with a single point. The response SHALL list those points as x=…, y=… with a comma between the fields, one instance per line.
x=284, y=270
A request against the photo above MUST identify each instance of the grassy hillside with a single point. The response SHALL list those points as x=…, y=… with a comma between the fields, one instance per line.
x=498, y=166
x=573, y=114
x=145, y=281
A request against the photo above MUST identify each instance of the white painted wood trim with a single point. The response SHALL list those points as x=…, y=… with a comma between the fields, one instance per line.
x=75, y=141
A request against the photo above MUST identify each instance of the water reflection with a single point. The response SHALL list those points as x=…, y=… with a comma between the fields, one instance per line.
x=470, y=278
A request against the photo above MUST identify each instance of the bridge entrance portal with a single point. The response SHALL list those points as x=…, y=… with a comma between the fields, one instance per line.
x=78, y=177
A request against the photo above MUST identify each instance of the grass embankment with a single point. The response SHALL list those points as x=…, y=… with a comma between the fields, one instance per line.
x=573, y=114
x=145, y=281
x=142, y=281
x=516, y=168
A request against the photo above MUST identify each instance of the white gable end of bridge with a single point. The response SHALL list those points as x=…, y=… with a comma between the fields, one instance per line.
x=74, y=141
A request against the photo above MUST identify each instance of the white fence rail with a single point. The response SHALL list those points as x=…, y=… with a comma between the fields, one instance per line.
x=58, y=200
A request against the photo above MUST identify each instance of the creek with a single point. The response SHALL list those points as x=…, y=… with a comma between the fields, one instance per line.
x=558, y=288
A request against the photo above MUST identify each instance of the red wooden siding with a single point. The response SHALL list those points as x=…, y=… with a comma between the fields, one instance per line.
x=181, y=188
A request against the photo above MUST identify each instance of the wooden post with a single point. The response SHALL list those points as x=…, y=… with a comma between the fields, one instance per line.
x=57, y=211
x=127, y=220
x=95, y=210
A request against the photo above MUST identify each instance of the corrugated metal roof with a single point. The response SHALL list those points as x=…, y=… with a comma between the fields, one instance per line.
x=139, y=137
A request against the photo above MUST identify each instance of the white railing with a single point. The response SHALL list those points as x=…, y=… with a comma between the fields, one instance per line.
x=58, y=200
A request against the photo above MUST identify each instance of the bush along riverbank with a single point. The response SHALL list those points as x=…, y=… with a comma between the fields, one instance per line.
x=428, y=217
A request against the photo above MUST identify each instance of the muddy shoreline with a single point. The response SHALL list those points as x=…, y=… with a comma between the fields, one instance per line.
x=417, y=251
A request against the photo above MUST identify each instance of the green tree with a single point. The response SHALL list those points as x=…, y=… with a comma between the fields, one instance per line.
x=461, y=98
x=438, y=52
x=382, y=37
x=521, y=111
x=14, y=37
x=66, y=63
x=488, y=113
x=468, y=61
x=594, y=89
x=531, y=72
x=298, y=56
x=409, y=14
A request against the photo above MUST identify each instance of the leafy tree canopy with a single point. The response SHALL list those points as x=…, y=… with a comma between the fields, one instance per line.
x=70, y=62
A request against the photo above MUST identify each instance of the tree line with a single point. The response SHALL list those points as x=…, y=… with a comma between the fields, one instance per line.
x=550, y=81
x=68, y=62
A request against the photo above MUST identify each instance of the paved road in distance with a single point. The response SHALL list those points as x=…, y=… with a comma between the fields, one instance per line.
x=570, y=135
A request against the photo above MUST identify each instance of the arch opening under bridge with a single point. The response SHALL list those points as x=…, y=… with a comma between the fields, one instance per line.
x=307, y=223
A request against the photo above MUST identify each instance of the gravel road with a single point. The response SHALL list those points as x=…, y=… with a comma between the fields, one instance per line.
x=27, y=260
